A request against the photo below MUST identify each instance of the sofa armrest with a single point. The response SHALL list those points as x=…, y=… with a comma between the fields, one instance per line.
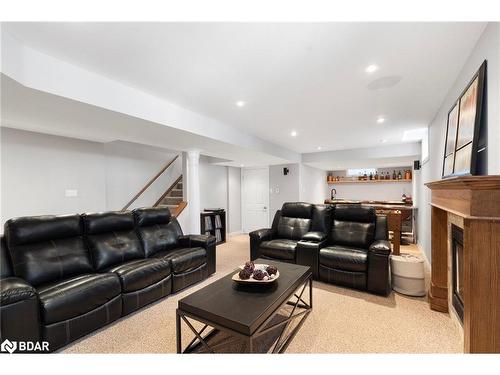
x=15, y=289
x=315, y=236
x=205, y=241
x=382, y=247
x=307, y=254
x=256, y=238
x=19, y=310
x=378, y=277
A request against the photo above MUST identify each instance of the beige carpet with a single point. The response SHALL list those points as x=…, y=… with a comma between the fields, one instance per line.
x=342, y=321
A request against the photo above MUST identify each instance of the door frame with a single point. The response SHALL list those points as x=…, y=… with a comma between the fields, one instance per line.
x=244, y=218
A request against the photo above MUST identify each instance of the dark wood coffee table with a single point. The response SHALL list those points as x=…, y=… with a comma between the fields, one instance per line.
x=245, y=312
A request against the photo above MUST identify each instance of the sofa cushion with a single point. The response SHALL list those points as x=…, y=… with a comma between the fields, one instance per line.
x=344, y=258
x=184, y=259
x=141, y=273
x=157, y=230
x=279, y=249
x=76, y=296
x=354, y=234
x=45, y=249
x=111, y=238
x=297, y=209
x=147, y=216
x=292, y=228
x=353, y=212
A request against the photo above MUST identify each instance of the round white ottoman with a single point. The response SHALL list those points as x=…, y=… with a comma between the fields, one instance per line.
x=408, y=274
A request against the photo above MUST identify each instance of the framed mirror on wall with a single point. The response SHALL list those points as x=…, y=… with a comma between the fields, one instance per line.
x=463, y=130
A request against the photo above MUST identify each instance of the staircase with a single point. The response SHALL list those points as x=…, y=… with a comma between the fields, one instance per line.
x=172, y=197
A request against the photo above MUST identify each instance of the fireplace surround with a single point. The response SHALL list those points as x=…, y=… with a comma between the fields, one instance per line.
x=457, y=271
x=471, y=204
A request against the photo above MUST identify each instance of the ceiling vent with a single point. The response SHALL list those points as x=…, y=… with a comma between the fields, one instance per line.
x=384, y=83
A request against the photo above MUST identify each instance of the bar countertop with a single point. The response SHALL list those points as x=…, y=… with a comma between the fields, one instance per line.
x=394, y=205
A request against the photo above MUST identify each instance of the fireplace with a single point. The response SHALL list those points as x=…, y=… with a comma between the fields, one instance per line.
x=465, y=274
x=457, y=270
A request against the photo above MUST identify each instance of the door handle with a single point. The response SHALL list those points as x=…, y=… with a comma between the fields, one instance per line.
x=265, y=208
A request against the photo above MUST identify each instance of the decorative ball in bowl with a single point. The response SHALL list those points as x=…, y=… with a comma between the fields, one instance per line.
x=255, y=273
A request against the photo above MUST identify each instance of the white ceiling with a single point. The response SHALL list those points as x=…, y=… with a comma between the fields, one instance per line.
x=304, y=77
x=32, y=110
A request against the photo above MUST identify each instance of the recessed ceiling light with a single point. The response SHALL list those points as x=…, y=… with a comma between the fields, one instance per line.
x=240, y=103
x=320, y=148
x=293, y=133
x=371, y=68
x=380, y=120
x=242, y=165
x=383, y=140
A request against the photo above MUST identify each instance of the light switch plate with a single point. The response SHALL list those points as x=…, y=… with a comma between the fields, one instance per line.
x=70, y=193
x=277, y=190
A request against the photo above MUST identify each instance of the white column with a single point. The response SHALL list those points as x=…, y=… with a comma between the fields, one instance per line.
x=193, y=191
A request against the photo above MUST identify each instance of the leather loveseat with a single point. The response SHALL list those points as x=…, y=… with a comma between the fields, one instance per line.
x=345, y=244
x=63, y=277
x=295, y=221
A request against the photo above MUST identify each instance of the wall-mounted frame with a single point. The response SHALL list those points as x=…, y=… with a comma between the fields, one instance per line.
x=463, y=128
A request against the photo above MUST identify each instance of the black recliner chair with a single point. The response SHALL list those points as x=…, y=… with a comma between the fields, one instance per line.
x=63, y=277
x=356, y=252
x=295, y=221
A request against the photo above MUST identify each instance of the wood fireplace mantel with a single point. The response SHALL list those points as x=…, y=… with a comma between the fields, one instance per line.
x=473, y=204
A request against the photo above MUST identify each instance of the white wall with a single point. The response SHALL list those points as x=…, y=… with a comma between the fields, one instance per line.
x=213, y=185
x=220, y=187
x=38, y=168
x=234, y=200
x=488, y=47
x=313, y=187
x=130, y=167
x=283, y=188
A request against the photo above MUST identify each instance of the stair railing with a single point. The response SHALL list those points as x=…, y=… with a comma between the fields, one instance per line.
x=149, y=183
x=168, y=191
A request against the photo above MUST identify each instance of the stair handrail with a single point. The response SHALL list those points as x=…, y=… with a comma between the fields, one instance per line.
x=150, y=182
x=179, y=209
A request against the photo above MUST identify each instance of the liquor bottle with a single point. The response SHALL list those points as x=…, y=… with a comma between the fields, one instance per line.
x=371, y=176
x=365, y=176
x=394, y=175
x=387, y=177
x=400, y=176
x=376, y=175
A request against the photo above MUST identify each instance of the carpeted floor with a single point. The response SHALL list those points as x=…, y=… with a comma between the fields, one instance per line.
x=342, y=321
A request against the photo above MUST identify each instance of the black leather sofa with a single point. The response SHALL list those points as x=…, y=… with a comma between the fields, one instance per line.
x=295, y=221
x=63, y=277
x=343, y=244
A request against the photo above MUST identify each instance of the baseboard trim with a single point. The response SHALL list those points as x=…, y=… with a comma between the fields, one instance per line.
x=237, y=233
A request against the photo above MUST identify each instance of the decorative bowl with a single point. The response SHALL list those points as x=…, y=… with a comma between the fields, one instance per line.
x=251, y=280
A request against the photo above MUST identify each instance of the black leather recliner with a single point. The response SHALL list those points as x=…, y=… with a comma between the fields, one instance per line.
x=65, y=276
x=357, y=251
x=343, y=244
x=295, y=221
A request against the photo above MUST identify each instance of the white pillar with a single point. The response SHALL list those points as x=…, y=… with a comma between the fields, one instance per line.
x=193, y=191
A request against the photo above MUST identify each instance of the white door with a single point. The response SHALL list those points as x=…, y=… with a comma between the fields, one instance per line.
x=255, y=198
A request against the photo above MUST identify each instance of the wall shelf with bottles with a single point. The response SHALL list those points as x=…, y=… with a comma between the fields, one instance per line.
x=366, y=182
x=370, y=175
